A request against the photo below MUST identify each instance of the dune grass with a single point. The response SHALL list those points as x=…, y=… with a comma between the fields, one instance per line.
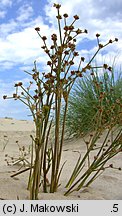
x=90, y=94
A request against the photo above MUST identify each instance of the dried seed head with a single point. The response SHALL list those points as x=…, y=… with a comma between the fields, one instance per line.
x=92, y=74
x=76, y=17
x=120, y=168
x=110, y=41
x=66, y=28
x=16, y=85
x=69, y=38
x=71, y=27
x=105, y=66
x=100, y=46
x=80, y=74
x=14, y=95
x=54, y=37
x=78, y=31
x=49, y=63
x=66, y=52
x=110, y=68
x=35, y=97
x=72, y=73
x=86, y=31
x=52, y=47
x=44, y=38
x=82, y=59
x=75, y=54
x=47, y=51
x=116, y=39
x=43, y=47
x=97, y=35
x=59, y=17
x=65, y=15
x=4, y=96
x=71, y=62
x=56, y=5
x=37, y=29
x=20, y=84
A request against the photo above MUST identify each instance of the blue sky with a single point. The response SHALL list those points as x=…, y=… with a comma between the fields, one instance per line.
x=20, y=44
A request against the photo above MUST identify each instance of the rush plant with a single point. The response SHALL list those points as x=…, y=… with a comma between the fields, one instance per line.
x=51, y=93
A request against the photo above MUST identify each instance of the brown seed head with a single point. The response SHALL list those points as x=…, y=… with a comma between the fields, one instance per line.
x=97, y=35
x=71, y=27
x=86, y=31
x=65, y=15
x=78, y=31
x=14, y=95
x=20, y=84
x=72, y=72
x=56, y=5
x=66, y=28
x=54, y=37
x=49, y=63
x=116, y=39
x=4, y=96
x=82, y=59
x=44, y=38
x=100, y=46
x=110, y=41
x=105, y=66
x=59, y=17
x=37, y=29
x=43, y=47
x=71, y=62
x=75, y=54
x=76, y=17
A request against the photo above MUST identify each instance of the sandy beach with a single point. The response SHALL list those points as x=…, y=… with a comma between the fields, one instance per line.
x=107, y=187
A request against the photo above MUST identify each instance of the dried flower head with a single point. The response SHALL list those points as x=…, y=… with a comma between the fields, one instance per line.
x=54, y=37
x=97, y=35
x=44, y=38
x=4, y=96
x=56, y=5
x=37, y=29
x=59, y=17
x=100, y=46
x=66, y=28
x=110, y=41
x=105, y=66
x=76, y=17
x=85, y=31
x=82, y=59
x=65, y=15
x=78, y=31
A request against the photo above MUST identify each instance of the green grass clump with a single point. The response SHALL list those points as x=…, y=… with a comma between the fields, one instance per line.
x=91, y=95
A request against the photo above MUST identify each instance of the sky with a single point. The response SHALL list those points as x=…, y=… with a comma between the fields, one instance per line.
x=20, y=45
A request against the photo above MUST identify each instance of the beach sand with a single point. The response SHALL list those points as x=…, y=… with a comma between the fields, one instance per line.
x=107, y=187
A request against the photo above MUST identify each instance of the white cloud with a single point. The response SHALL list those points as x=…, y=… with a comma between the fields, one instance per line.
x=2, y=14
x=96, y=16
x=5, y=3
x=25, y=12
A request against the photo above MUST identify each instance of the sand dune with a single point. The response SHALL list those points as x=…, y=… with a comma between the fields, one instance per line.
x=107, y=186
